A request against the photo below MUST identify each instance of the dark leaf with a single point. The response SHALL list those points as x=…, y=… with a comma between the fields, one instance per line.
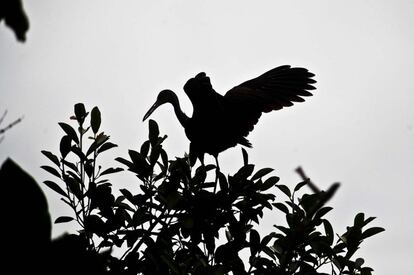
x=155, y=154
x=328, y=231
x=80, y=113
x=372, y=231
x=244, y=172
x=106, y=146
x=164, y=158
x=254, y=242
x=269, y=252
x=95, y=224
x=52, y=157
x=92, y=148
x=300, y=185
x=95, y=119
x=69, y=131
x=224, y=186
x=284, y=189
x=89, y=168
x=127, y=195
x=283, y=229
x=321, y=212
x=51, y=170
x=154, y=132
x=73, y=186
x=359, y=220
x=367, y=221
x=267, y=239
x=140, y=165
x=65, y=146
x=64, y=219
x=145, y=148
x=125, y=162
x=111, y=170
x=79, y=153
x=261, y=173
x=52, y=185
x=269, y=183
x=245, y=157
x=359, y=262
x=281, y=207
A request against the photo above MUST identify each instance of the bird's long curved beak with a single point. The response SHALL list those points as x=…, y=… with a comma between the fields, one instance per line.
x=151, y=110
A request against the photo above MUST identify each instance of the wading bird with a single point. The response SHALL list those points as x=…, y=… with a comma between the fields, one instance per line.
x=220, y=122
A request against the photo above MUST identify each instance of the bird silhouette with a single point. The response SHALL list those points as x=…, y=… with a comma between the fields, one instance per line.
x=221, y=122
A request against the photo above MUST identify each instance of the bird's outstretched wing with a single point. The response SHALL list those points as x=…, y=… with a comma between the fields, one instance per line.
x=273, y=90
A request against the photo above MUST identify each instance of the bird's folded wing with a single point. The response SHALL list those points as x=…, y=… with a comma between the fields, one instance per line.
x=273, y=90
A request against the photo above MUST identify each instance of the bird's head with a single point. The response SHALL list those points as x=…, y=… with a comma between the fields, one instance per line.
x=165, y=96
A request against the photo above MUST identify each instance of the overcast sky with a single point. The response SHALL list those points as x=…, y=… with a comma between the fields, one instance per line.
x=117, y=55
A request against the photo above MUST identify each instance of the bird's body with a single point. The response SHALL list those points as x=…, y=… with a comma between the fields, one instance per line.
x=221, y=122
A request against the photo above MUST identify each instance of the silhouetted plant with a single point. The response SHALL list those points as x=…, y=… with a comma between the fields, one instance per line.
x=196, y=220
x=15, y=18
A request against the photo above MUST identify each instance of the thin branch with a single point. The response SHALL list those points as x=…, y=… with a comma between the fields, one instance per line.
x=2, y=131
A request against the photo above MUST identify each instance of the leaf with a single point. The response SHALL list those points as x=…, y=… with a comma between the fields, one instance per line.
x=71, y=165
x=155, y=154
x=321, y=212
x=281, y=207
x=267, y=239
x=79, y=153
x=125, y=162
x=285, y=230
x=284, y=189
x=106, y=146
x=51, y=170
x=245, y=171
x=145, y=148
x=254, y=242
x=89, y=168
x=367, y=221
x=261, y=173
x=111, y=170
x=153, y=132
x=95, y=119
x=80, y=112
x=372, y=231
x=64, y=219
x=300, y=185
x=69, y=131
x=52, y=157
x=359, y=262
x=245, y=157
x=328, y=231
x=65, y=146
x=52, y=185
x=74, y=186
x=359, y=220
x=224, y=185
x=270, y=182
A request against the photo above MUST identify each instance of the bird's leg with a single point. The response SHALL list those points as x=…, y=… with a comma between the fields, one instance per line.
x=217, y=172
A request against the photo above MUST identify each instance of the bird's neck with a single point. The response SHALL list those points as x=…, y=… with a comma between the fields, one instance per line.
x=181, y=116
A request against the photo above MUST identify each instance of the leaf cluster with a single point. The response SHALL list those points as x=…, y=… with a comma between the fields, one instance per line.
x=182, y=219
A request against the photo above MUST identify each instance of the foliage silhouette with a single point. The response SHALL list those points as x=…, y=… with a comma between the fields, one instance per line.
x=178, y=221
x=14, y=16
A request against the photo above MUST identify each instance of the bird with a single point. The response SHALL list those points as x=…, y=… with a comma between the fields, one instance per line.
x=220, y=122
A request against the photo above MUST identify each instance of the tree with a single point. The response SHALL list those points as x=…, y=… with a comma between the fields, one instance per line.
x=194, y=220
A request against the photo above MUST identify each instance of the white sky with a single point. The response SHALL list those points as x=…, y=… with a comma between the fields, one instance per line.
x=357, y=129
